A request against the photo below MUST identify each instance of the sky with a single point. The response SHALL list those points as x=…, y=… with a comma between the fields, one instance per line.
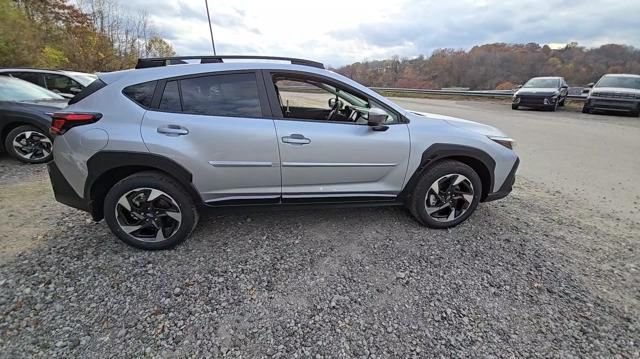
x=339, y=32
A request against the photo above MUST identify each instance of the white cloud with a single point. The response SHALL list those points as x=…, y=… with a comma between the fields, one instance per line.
x=340, y=31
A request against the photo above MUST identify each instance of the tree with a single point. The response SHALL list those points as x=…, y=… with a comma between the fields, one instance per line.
x=158, y=47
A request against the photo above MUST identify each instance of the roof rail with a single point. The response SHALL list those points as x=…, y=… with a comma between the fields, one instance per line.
x=164, y=61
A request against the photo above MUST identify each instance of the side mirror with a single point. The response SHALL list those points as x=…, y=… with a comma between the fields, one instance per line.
x=376, y=118
x=519, y=87
x=564, y=87
x=590, y=85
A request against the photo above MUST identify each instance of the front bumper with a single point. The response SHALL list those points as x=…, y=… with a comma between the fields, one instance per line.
x=619, y=105
x=63, y=192
x=507, y=185
x=536, y=101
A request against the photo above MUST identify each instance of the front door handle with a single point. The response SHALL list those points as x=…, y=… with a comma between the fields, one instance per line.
x=296, y=139
x=173, y=130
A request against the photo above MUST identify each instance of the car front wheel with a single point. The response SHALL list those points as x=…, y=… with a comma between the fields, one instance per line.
x=150, y=210
x=28, y=144
x=446, y=195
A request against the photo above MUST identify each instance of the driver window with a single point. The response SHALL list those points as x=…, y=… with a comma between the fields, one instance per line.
x=300, y=94
x=302, y=98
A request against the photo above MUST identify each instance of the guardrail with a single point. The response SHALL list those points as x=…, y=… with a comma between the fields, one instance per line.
x=494, y=93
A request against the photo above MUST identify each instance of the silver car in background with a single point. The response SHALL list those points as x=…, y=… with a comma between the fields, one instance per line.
x=147, y=149
x=614, y=93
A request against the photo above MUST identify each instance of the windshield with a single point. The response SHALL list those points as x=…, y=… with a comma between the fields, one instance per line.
x=542, y=83
x=627, y=82
x=83, y=78
x=12, y=89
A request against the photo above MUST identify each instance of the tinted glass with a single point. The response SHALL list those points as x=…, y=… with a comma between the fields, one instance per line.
x=62, y=84
x=222, y=95
x=141, y=93
x=170, y=100
x=12, y=89
x=542, y=83
x=33, y=77
x=620, y=81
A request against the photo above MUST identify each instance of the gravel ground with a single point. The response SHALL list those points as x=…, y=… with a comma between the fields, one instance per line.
x=534, y=275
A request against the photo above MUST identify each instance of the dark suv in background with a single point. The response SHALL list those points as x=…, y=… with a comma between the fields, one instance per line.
x=541, y=92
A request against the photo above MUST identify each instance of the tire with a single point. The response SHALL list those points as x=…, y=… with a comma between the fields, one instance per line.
x=423, y=192
x=172, y=210
x=553, y=107
x=29, y=144
x=586, y=109
x=561, y=103
x=514, y=107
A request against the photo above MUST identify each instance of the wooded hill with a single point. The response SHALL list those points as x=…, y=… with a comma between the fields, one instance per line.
x=496, y=66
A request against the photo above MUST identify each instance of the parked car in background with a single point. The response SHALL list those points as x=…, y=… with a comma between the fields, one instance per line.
x=617, y=93
x=541, y=92
x=25, y=119
x=147, y=149
x=64, y=83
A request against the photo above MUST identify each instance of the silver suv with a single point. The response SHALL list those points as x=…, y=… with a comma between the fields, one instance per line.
x=147, y=149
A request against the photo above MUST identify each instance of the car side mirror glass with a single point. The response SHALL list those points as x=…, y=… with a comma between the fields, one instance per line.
x=590, y=85
x=564, y=86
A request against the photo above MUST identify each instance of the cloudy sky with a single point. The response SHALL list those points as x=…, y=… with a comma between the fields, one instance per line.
x=338, y=32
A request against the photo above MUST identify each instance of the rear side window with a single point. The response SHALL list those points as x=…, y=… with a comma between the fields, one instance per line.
x=142, y=94
x=234, y=95
x=33, y=77
x=170, y=100
x=93, y=87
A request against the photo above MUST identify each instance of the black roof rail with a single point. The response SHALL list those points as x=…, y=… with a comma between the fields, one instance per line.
x=164, y=61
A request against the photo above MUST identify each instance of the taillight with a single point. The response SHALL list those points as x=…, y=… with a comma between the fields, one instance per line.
x=61, y=122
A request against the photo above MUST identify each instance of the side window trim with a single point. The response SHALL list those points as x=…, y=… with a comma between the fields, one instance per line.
x=276, y=110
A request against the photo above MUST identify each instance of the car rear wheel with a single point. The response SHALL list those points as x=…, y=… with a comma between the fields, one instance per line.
x=150, y=210
x=28, y=144
x=446, y=195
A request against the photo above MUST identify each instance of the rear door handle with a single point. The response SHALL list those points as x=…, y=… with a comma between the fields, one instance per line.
x=296, y=139
x=173, y=130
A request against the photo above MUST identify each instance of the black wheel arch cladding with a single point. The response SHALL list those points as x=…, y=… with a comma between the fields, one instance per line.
x=480, y=161
x=106, y=168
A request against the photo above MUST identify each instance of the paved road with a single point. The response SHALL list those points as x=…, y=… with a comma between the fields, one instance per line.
x=592, y=157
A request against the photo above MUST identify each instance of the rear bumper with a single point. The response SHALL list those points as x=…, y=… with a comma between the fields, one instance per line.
x=507, y=186
x=63, y=192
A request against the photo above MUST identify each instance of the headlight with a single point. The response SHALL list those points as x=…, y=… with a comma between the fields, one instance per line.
x=505, y=141
x=516, y=99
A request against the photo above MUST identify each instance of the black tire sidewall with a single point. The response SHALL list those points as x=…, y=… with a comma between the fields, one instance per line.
x=431, y=175
x=162, y=183
x=8, y=144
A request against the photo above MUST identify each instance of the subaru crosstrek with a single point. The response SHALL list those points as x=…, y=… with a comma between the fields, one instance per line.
x=148, y=148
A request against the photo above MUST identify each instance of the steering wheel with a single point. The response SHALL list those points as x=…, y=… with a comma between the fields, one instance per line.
x=335, y=105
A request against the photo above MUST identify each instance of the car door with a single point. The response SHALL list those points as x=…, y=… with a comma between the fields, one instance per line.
x=324, y=160
x=218, y=126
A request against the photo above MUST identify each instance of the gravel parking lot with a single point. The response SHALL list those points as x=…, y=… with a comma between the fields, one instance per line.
x=542, y=273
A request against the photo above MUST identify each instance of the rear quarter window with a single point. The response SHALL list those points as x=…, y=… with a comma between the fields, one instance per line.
x=142, y=94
